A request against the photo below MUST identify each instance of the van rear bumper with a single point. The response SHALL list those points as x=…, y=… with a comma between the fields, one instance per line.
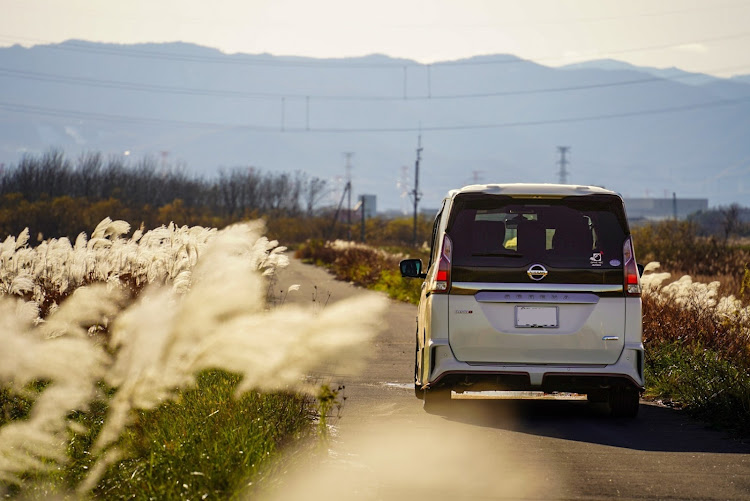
x=447, y=372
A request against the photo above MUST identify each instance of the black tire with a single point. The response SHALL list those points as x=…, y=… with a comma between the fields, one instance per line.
x=437, y=400
x=418, y=391
x=624, y=402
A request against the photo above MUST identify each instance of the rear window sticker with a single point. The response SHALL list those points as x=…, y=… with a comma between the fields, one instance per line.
x=596, y=259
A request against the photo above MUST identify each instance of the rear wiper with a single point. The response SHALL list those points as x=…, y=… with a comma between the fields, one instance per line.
x=498, y=254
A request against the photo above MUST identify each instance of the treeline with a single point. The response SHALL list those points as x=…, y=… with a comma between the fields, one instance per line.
x=682, y=249
x=723, y=222
x=55, y=196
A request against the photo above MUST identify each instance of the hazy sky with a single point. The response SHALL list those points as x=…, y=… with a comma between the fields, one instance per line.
x=711, y=36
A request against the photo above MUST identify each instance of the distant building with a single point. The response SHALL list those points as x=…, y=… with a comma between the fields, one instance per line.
x=663, y=208
x=371, y=205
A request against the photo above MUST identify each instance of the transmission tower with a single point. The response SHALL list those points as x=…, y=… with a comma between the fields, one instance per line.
x=563, y=162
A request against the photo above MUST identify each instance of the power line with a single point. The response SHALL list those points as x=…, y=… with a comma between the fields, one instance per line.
x=180, y=17
x=228, y=59
x=556, y=21
x=529, y=123
x=106, y=117
x=137, y=86
x=291, y=61
x=712, y=8
x=38, y=110
x=594, y=55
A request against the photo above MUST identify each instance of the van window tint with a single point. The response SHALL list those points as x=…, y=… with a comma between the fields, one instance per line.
x=505, y=232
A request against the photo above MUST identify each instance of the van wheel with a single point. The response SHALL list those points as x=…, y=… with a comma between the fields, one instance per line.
x=437, y=400
x=418, y=391
x=624, y=402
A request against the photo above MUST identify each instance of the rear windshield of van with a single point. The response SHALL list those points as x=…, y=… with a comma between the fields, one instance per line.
x=572, y=232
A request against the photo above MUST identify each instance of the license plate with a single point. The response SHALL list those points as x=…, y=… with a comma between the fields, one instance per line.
x=537, y=316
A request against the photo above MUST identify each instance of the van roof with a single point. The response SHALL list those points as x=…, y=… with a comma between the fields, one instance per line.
x=531, y=189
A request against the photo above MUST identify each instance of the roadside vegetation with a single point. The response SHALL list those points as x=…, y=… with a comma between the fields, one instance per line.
x=152, y=365
x=364, y=265
x=696, y=317
x=707, y=253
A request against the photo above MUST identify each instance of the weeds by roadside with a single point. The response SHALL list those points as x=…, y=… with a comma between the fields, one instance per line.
x=679, y=249
x=701, y=381
x=697, y=350
x=363, y=265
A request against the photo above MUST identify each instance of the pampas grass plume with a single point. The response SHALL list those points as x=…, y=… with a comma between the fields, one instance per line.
x=203, y=307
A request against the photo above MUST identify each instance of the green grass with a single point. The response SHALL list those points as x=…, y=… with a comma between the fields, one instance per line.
x=13, y=406
x=205, y=445
x=702, y=382
x=399, y=288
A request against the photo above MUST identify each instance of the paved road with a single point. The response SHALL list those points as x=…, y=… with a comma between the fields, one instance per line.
x=386, y=447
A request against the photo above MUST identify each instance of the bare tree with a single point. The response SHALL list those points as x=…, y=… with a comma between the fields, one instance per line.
x=731, y=220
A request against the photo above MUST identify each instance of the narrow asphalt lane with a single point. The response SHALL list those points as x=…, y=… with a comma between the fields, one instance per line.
x=384, y=446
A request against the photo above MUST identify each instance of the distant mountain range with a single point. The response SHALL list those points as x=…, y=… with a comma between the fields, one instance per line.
x=640, y=131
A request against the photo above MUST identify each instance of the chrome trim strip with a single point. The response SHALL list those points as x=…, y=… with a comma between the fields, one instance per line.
x=610, y=338
x=536, y=297
x=538, y=287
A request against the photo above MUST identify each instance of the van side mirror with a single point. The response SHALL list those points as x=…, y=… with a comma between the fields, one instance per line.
x=411, y=268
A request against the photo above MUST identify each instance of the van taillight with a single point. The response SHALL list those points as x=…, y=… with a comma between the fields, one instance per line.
x=442, y=282
x=632, y=277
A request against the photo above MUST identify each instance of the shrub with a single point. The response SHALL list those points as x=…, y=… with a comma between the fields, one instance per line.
x=693, y=314
x=679, y=249
x=702, y=381
x=697, y=349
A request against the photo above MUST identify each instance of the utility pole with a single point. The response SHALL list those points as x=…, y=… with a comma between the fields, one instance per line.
x=563, y=162
x=416, y=195
x=362, y=209
x=348, y=189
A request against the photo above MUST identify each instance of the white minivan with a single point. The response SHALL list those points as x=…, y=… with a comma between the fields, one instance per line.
x=530, y=287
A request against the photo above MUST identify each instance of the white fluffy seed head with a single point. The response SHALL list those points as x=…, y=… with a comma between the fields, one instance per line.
x=204, y=308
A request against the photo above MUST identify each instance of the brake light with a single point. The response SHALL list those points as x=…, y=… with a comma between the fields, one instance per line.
x=442, y=282
x=632, y=277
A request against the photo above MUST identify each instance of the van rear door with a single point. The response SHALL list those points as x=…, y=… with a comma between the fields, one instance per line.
x=537, y=281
